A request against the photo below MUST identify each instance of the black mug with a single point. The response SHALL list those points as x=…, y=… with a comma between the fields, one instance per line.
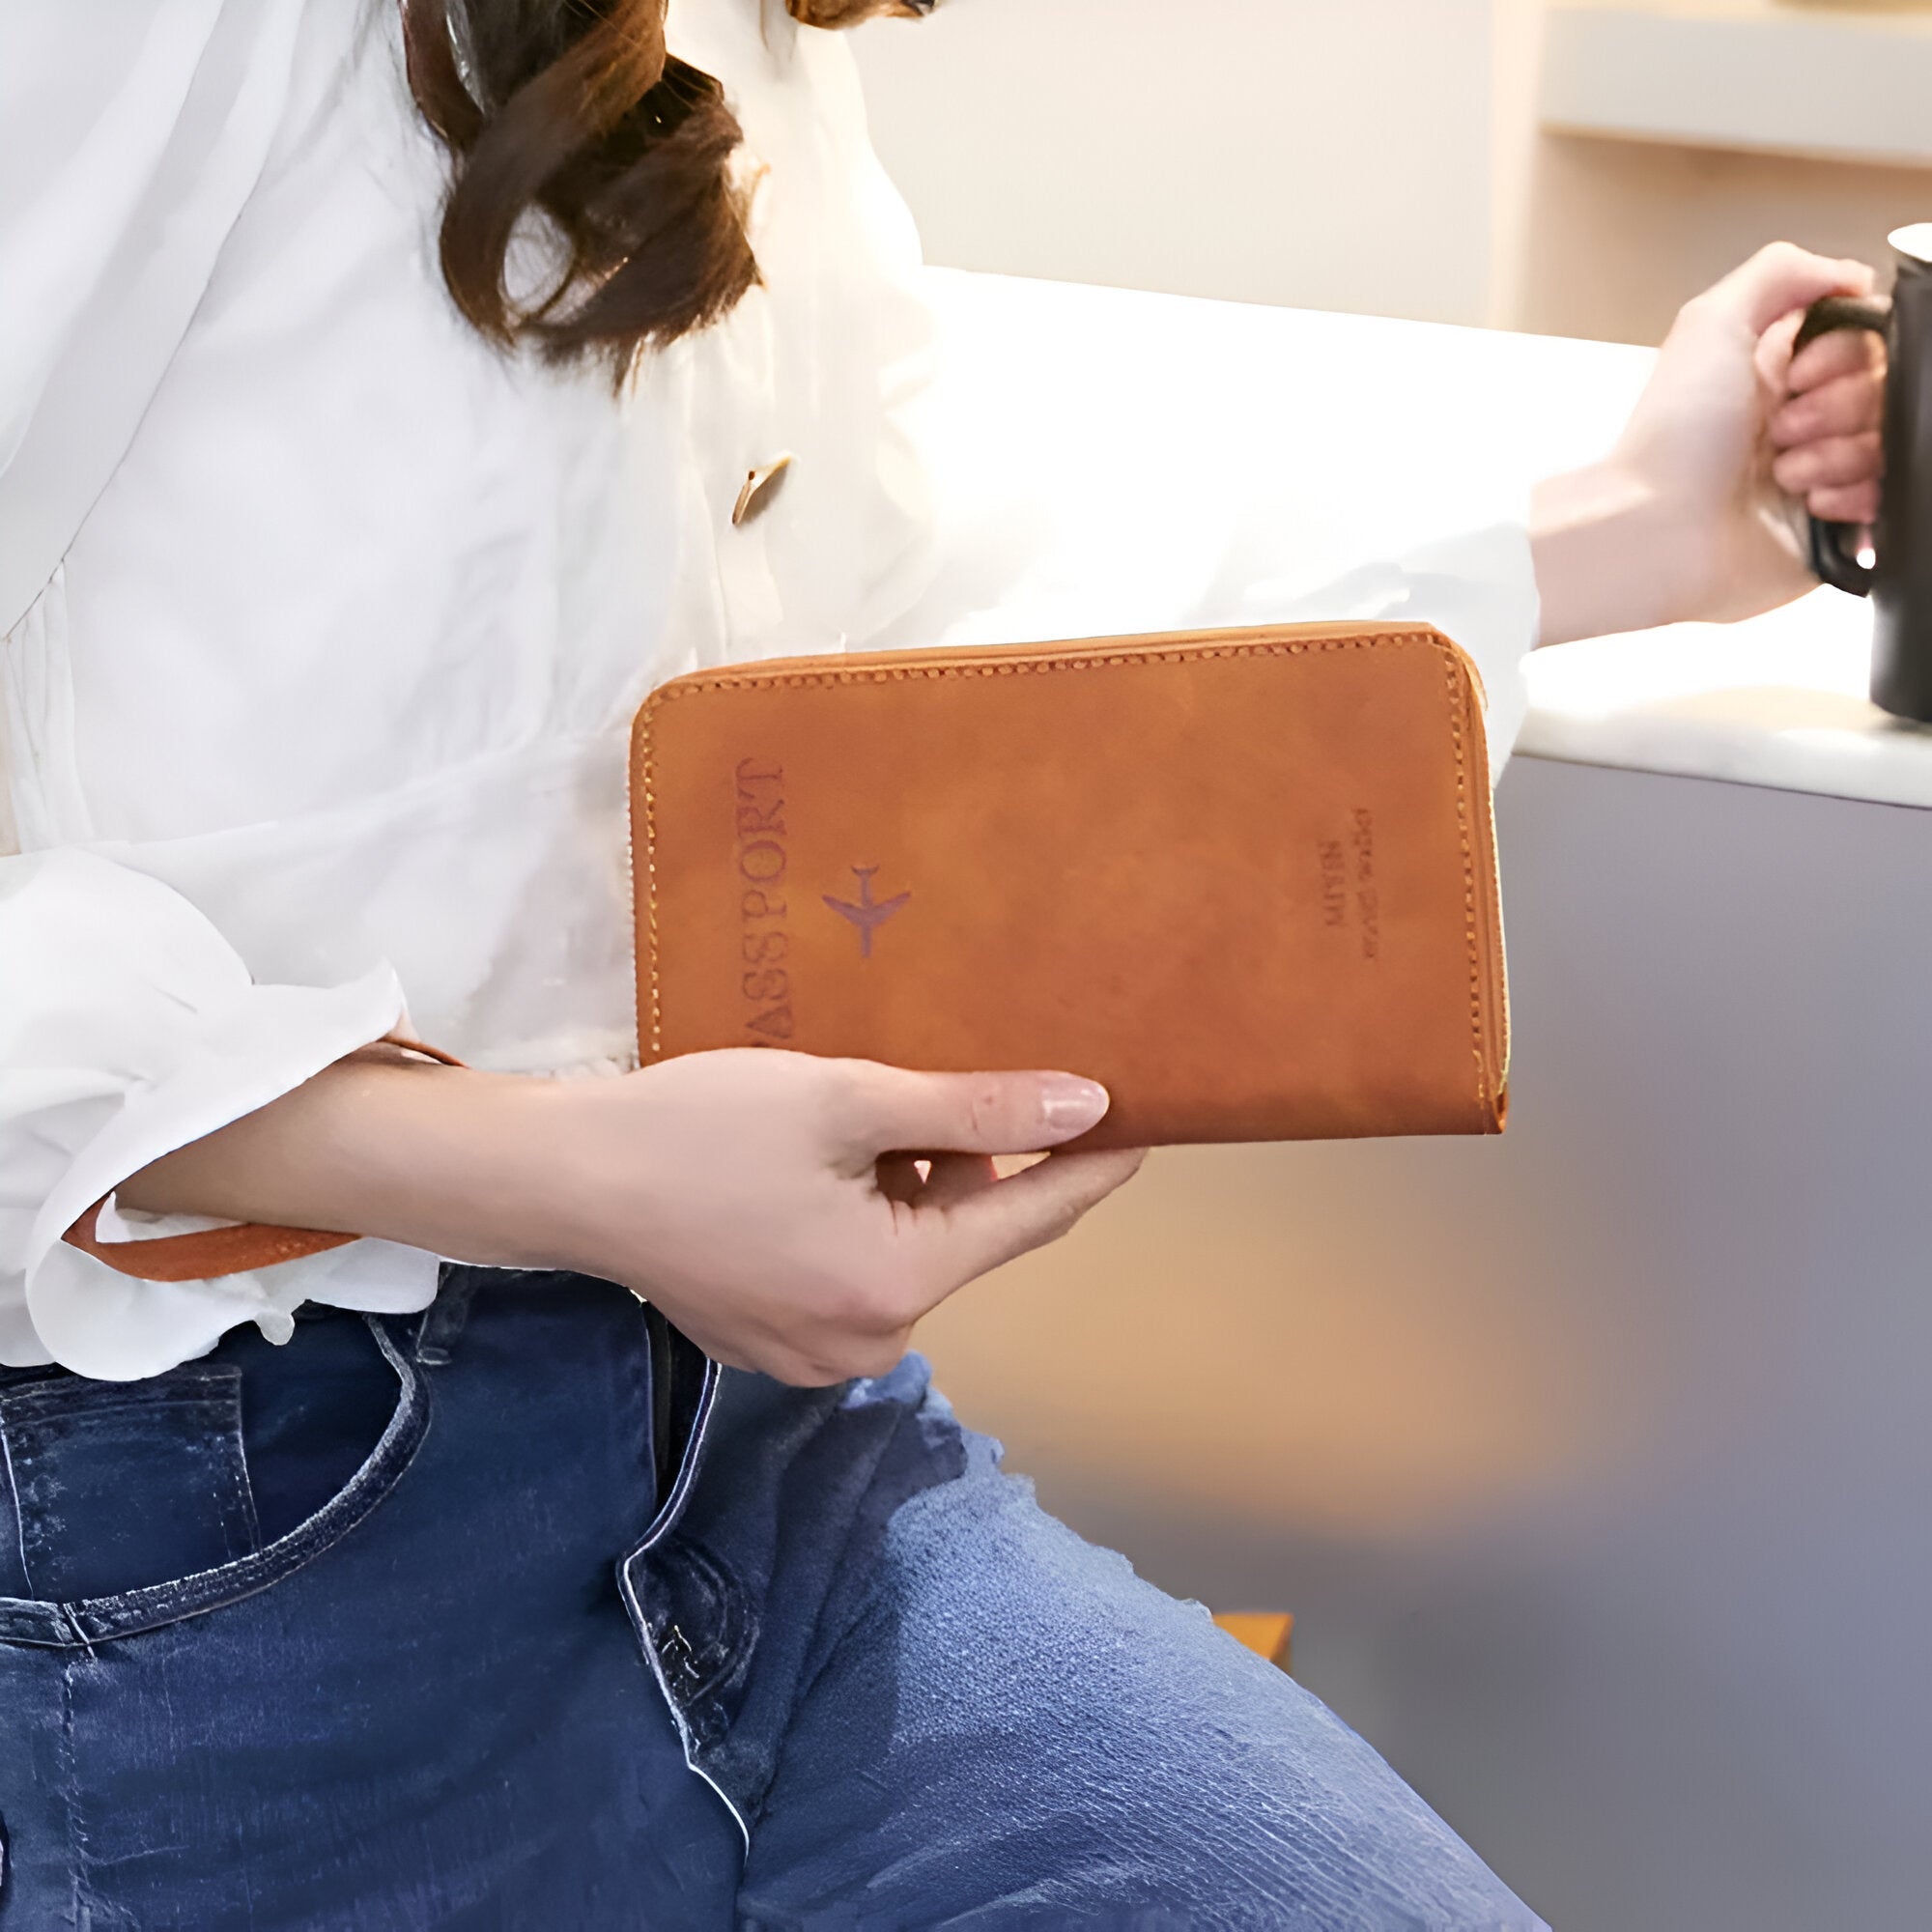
x=1900, y=581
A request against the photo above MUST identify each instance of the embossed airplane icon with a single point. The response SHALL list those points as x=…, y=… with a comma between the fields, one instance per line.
x=868, y=914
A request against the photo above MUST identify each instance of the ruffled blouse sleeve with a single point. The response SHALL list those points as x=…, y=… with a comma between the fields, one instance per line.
x=130, y=1027
x=131, y=133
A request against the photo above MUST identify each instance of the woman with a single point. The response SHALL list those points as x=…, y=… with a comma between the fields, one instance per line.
x=345, y=519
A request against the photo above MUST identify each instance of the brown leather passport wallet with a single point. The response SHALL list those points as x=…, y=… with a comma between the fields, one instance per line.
x=1245, y=878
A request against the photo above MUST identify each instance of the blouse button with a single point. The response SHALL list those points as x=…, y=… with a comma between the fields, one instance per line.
x=761, y=487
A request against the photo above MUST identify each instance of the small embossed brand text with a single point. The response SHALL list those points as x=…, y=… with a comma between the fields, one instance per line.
x=1368, y=901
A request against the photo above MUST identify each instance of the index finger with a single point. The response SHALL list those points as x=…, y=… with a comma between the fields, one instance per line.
x=1844, y=351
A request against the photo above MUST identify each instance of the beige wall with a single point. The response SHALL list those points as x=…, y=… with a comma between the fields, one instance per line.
x=1378, y=156
x=1328, y=154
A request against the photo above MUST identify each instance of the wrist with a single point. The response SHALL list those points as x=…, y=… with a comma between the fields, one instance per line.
x=1610, y=553
x=453, y=1160
x=379, y=1144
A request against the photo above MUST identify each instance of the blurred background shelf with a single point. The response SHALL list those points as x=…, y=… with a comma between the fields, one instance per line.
x=1657, y=144
x=1760, y=75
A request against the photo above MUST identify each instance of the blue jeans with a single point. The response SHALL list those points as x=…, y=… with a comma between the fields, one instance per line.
x=428, y=1623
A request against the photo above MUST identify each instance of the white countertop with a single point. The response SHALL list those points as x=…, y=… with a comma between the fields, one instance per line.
x=1779, y=702
x=1142, y=452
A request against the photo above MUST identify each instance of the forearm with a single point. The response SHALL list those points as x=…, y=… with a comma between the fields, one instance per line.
x=1607, y=559
x=377, y=1144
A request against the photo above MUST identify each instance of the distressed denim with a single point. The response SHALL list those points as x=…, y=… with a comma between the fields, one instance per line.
x=429, y=1623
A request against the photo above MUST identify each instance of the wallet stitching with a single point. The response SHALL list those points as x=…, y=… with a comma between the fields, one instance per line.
x=739, y=680
x=1455, y=692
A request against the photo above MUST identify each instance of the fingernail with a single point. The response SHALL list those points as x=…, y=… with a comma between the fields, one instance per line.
x=1068, y=1105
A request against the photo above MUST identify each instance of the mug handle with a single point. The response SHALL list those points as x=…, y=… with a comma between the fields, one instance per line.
x=1832, y=557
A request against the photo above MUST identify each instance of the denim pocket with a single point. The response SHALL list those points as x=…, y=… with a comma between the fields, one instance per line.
x=80, y=1453
x=86, y=1458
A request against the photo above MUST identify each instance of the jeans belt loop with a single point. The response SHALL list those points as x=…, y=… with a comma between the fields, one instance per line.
x=443, y=1321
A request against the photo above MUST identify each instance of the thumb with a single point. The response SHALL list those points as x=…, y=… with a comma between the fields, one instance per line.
x=896, y=1111
x=1782, y=279
x=999, y=1222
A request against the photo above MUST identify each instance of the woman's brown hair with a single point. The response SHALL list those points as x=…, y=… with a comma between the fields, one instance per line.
x=575, y=110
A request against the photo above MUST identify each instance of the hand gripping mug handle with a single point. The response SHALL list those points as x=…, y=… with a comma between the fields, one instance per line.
x=1833, y=557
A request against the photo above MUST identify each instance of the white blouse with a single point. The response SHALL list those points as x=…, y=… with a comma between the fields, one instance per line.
x=321, y=622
